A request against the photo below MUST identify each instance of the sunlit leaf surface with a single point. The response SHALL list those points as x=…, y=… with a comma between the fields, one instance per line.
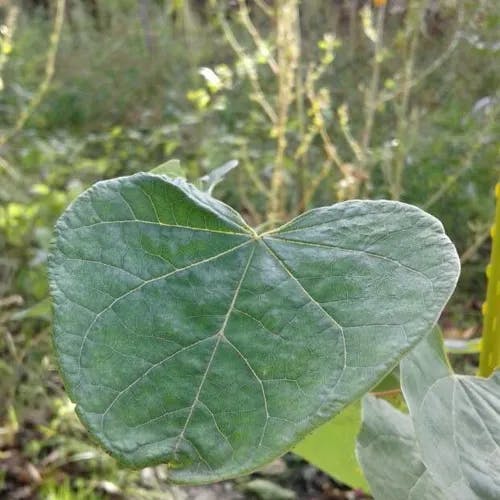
x=184, y=337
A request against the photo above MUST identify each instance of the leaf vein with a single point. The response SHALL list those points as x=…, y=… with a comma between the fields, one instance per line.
x=354, y=250
x=164, y=276
x=162, y=224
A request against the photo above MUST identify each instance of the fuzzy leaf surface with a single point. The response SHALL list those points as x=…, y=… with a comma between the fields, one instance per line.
x=388, y=452
x=456, y=420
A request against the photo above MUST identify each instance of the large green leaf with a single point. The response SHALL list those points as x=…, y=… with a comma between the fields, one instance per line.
x=457, y=422
x=184, y=337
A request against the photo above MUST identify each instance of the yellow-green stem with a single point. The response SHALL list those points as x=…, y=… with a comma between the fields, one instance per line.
x=490, y=347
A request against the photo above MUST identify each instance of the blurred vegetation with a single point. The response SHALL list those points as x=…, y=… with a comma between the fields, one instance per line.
x=319, y=101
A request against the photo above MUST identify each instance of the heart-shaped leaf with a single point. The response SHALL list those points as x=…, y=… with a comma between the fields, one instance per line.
x=184, y=337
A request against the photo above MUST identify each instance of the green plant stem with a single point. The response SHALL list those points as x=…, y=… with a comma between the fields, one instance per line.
x=353, y=9
x=403, y=125
x=471, y=251
x=490, y=347
x=254, y=33
x=302, y=119
x=266, y=9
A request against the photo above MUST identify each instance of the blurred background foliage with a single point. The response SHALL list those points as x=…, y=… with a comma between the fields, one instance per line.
x=319, y=101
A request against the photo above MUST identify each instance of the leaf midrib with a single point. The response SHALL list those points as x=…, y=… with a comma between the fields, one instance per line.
x=220, y=336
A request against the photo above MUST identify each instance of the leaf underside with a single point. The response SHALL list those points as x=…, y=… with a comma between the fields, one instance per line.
x=448, y=447
x=184, y=337
x=388, y=452
x=457, y=422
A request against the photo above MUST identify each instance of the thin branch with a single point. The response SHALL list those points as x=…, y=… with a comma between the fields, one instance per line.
x=258, y=95
x=302, y=121
x=49, y=73
x=371, y=96
x=288, y=53
x=396, y=178
x=268, y=11
x=448, y=184
x=343, y=116
x=253, y=176
x=254, y=33
x=319, y=121
x=436, y=64
x=390, y=392
x=7, y=33
x=472, y=250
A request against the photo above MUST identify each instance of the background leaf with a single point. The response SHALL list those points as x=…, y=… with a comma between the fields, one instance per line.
x=447, y=447
x=171, y=168
x=208, y=182
x=456, y=422
x=331, y=447
x=388, y=452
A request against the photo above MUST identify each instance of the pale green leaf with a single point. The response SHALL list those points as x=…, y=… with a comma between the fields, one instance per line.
x=388, y=452
x=217, y=175
x=463, y=346
x=171, y=168
x=447, y=448
x=184, y=337
x=331, y=447
x=457, y=422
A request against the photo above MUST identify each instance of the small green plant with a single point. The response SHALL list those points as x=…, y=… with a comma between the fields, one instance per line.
x=186, y=337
